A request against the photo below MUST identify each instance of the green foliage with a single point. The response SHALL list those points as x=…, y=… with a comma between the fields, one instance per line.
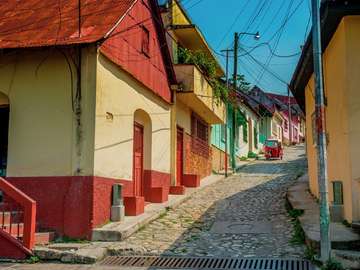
x=240, y=120
x=311, y=255
x=241, y=83
x=252, y=155
x=346, y=223
x=207, y=67
x=298, y=236
x=200, y=59
x=33, y=259
x=243, y=158
x=295, y=213
x=332, y=265
x=256, y=137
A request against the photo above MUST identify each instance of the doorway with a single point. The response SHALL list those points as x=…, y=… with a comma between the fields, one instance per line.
x=4, y=134
x=179, y=156
x=251, y=135
x=138, y=160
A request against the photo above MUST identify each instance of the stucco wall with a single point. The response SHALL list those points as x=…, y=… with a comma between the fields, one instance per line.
x=121, y=95
x=183, y=116
x=342, y=112
x=42, y=137
x=352, y=24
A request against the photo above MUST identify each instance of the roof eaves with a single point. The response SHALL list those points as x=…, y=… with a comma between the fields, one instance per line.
x=332, y=12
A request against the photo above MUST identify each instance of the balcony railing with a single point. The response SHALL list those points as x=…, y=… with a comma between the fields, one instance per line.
x=197, y=93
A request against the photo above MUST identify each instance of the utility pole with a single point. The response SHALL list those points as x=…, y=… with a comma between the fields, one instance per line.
x=226, y=109
x=233, y=132
x=290, y=118
x=325, y=243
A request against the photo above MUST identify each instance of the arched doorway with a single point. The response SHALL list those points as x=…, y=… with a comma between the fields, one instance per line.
x=4, y=132
x=141, y=150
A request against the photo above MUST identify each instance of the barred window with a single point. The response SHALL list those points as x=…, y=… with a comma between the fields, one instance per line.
x=199, y=128
x=199, y=136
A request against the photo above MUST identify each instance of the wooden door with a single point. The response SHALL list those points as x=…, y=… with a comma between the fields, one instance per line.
x=138, y=159
x=179, y=156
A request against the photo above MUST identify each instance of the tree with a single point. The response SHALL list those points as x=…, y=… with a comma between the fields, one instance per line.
x=241, y=84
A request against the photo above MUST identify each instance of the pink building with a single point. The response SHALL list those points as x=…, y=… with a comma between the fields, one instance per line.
x=297, y=119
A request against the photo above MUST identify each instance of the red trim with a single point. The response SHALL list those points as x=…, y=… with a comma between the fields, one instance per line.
x=179, y=155
x=74, y=205
x=71, y=205
x=29, y=206
x=12, y=248
x=134, y=206
x=191, y=180
x=156, y=186
x=138, y=150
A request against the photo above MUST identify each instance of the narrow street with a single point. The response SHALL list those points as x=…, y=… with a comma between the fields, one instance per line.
x=241, y=216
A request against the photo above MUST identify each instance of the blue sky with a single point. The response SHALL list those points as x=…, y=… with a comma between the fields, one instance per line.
x=215, y=18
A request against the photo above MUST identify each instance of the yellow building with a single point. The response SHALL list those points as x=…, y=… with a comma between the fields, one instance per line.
x=195, y=108
x=83, y=111
x=341, y=61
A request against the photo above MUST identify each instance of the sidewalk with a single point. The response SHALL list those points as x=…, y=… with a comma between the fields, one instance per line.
x=108, y=235
x=342, y=237
x=118, y=231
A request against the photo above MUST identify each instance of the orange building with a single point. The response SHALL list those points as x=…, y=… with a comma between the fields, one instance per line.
x=341, y=62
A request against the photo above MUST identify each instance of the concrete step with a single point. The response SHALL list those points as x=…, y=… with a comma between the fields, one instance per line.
x=118, y=231
x=356, y=226
x=349, y=259
x=342, y=237
x=44, y=238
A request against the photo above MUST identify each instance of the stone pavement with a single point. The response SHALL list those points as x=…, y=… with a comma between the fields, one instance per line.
x=241, y=216
x=342, y=237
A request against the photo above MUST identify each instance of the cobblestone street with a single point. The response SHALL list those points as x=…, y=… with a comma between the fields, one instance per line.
x=243, y=216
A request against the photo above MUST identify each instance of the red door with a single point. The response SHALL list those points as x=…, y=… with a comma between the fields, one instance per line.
x=179, y=156
x=138, y=158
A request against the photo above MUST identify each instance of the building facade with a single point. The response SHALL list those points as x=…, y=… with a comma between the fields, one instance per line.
x=195, y=107
x=85, y=112
x=341, y=60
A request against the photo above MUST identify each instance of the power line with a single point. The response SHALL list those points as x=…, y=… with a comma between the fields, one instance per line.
x=266, y=68
x=276, y=42
x=242, y=9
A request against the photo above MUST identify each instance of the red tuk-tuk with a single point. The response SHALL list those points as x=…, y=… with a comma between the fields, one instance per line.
x=273, y=149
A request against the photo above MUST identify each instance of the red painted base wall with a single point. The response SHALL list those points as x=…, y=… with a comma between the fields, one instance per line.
x=156, y=186
x=71, y=206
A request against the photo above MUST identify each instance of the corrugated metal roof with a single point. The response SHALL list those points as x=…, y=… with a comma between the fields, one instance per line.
x=34, y=23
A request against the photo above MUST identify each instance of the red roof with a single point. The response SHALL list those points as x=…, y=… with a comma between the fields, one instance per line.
x=283, y=99
x=34, y=23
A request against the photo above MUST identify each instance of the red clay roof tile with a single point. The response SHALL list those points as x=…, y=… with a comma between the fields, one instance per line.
x=34, y=23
